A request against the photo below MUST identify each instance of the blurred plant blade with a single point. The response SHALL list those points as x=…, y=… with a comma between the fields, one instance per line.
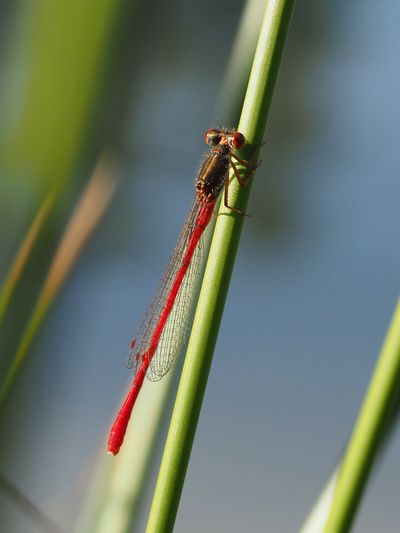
x=26, y=506
x=87, y=214
x=60, y=70
x=54, y=63
x=316, y=519
x=238, y=69
x=377, y=420
x=375, y=417
x=117, y=486
x=23, y=253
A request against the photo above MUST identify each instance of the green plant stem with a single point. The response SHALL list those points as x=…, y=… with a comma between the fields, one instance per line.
x=368, y=432
x=217, y=276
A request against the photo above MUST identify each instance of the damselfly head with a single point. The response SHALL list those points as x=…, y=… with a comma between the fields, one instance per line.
x=234, y=139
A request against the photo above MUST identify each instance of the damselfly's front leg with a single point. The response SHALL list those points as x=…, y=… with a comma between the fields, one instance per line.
x=245, y=181
x=242, y=182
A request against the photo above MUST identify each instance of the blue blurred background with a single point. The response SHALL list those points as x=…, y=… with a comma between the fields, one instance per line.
x=314, y=286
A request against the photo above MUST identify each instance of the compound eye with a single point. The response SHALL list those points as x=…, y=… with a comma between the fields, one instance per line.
x=238, y=140
x=213, y=137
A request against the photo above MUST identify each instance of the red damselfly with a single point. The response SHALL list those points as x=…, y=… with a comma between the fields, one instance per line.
x=162, y=333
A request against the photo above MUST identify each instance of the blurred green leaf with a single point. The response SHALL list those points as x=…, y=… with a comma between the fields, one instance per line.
x=84, y=220
x=60, y=72
x=373, y=424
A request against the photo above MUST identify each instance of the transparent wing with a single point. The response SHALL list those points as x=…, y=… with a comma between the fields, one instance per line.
x=175, y=330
